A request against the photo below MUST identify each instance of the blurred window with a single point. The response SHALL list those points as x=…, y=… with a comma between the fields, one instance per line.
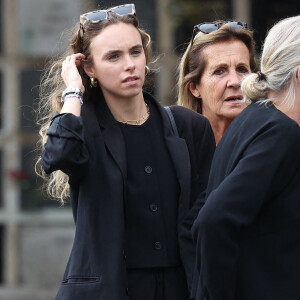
x=42, y=23
x=29, y=81
x=32, y=196
x=30, y=184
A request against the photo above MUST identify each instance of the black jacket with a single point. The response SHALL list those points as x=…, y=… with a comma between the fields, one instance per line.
x=91, y=150
x=248, y=231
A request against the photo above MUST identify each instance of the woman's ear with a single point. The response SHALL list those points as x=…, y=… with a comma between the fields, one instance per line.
x=298, y=74
x=89, y=70
x=194, y=90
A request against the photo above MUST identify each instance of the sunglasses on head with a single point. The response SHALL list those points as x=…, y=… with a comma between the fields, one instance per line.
x=100, y=15
x=213, y=26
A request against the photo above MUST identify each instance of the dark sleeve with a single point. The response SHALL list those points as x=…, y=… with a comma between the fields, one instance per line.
x=201, y=144
x=198, y=134
x=65, y=149
x=264, y=168
x=187, y=245
x=204, y=145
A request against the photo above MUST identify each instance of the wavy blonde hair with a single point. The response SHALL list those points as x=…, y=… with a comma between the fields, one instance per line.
x=192, y=63
x=280, y=61
x=52, y=86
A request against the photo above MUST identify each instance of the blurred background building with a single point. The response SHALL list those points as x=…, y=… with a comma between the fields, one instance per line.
x=36, y=233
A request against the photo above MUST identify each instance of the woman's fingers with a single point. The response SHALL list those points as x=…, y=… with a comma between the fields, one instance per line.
x=74, y=59
x=70, y=72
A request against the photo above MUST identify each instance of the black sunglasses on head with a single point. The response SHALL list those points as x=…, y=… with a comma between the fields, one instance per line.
x=209, y=27
x=100, y=15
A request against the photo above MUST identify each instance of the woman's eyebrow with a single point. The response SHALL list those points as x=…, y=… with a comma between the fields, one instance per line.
x=111, y=52
x=118, y=51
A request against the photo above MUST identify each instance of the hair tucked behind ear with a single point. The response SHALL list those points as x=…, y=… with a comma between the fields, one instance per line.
x=280, y=62
x=52, y=86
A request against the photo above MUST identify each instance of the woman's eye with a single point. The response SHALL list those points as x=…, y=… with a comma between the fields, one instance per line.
x=113, y=57
x=219, y=72
x=243, y=70
x=136, y=52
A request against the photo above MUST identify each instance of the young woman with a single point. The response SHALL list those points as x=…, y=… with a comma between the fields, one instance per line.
x=131, y=179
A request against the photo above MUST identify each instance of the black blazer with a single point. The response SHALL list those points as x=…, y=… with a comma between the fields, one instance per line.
x=91, y=150
x=248, y=231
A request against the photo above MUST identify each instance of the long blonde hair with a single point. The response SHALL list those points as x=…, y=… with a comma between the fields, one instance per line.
x=192, y=63
x=52, y=86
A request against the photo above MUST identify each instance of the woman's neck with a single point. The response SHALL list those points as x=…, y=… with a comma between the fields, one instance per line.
x=219, y=127
x=131, y=110
x=291, y=112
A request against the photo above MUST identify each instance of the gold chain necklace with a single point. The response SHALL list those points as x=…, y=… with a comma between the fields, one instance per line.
x=144, y=117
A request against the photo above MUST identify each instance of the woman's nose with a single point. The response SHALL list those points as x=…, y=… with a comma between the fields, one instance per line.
x=234, y=80
x=129, y=63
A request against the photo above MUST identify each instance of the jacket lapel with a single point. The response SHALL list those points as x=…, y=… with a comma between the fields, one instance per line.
x=112, y=135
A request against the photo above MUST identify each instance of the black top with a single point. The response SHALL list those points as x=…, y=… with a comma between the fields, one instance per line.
x=247, y=233
x=92, y=151
x=152, y=192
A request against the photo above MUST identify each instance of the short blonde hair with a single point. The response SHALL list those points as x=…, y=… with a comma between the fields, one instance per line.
x=280, y=61
x=193, y=63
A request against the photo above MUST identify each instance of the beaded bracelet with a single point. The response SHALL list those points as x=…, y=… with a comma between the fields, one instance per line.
x=74, y=95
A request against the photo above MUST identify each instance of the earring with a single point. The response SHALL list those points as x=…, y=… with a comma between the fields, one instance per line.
x=94, y=82
x=147, y=70
x=196, y=95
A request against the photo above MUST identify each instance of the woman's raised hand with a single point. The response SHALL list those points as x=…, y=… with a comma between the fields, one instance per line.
x=70, y=73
